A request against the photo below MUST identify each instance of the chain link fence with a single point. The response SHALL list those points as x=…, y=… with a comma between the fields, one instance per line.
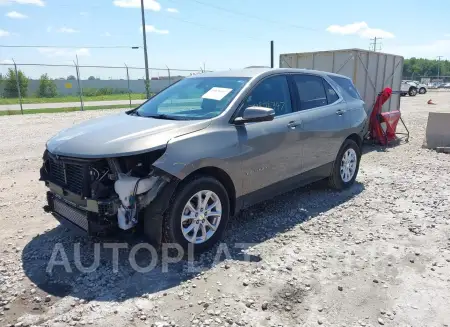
x=68, y=87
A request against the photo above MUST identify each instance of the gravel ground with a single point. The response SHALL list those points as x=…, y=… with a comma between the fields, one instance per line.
x=377, y=254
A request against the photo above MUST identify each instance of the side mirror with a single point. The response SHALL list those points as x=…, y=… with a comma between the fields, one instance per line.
x=255, y=114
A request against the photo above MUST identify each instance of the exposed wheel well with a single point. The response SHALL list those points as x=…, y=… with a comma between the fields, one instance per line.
x=355, y=137
x=223, y=178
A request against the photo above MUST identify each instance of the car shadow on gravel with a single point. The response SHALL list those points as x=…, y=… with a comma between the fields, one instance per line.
x=116, y=279
x=374, y=147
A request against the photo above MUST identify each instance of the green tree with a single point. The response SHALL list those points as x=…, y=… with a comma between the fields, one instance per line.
x=71, y=78
x=419, y=67
x=11, y=90
x=91, y=78
x=47, y=87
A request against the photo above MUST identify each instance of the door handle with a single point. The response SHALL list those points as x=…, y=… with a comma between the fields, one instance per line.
x=293, y=124
x=340, y=112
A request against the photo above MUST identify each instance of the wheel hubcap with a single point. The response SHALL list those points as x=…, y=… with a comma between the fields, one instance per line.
x=348, y=165
x=201, y=217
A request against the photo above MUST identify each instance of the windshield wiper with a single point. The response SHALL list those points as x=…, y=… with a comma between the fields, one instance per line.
x=164, y=116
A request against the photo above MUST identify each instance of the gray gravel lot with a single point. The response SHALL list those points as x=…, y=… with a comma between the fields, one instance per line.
x=377, y=254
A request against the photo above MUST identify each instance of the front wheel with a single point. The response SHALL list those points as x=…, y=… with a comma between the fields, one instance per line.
x=422, y=90
x=198, y=215
x=346, y=166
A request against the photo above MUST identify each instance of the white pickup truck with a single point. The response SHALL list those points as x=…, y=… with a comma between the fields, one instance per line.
x=408, y=87
x=422, y=88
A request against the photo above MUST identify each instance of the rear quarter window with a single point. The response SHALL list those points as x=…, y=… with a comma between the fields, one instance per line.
x=347, y=85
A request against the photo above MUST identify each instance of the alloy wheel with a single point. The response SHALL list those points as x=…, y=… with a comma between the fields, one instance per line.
x=348, y=165
x=201, y=216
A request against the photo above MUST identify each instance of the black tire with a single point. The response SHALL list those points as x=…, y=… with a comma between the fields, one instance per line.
x=335, y=180
x=412, y=91
x=422, y=90
x=172, y=219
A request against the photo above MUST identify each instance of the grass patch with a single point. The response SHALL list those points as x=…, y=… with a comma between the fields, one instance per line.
x=56, y=110
x=74, y=98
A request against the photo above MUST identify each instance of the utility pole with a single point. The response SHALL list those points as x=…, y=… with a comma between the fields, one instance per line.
x=18, y=86
x=144, y=35
x=80, y=87
x=374, y=43
x=439, y=63
x=271, y=54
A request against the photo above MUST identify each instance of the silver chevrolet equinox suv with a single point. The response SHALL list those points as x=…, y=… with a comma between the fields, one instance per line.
x=181, y=164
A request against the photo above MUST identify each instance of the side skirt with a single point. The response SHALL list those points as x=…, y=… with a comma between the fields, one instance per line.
x=284, y=186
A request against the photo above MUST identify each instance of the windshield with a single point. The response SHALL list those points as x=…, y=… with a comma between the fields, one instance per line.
x=193, y=98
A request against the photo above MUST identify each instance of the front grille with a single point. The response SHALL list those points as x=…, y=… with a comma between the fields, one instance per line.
x=76, y=216
x=69, y=175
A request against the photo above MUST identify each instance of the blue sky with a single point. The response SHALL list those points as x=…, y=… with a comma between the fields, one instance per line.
x=189, y=33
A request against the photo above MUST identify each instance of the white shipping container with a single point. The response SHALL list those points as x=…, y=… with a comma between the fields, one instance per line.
x=370, y=71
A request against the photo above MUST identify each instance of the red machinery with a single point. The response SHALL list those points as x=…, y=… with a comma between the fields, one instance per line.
x=383, y=125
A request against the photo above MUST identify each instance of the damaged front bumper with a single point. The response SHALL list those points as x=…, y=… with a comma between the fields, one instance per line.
x=92, y=216
x=71, y=197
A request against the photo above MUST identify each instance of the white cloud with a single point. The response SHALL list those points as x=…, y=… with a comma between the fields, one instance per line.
x=7, y=62
x=84, y=14
x=49, y=29
x=173, y=10
x=39, y=3
x=427, y=50
x=153, y=29
x=106, y=34
x=447, y=35
x=4, y=33
x=83, y=52
x=361, y=29
x=57, y=52
x=148, y=4
x=67, y=30
x=16, y=15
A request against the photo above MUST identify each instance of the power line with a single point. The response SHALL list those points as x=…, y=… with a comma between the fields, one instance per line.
x=247, y=15
x=71, y=47
x=213, y=28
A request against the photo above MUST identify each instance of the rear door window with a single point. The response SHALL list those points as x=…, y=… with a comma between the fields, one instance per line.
x=347, y=85
x=331, y=93
x=311, y=91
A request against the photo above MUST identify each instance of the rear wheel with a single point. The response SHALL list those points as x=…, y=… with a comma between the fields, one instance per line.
x=412, y=92
x=346, y=166
x=198, y=215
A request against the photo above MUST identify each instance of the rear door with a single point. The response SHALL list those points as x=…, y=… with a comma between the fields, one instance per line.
x=322, y=113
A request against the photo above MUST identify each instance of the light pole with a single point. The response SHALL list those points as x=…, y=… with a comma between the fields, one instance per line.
x=439, y=63
x=144, y=35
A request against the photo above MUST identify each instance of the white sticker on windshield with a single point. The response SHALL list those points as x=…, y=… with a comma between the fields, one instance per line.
x=216, y=93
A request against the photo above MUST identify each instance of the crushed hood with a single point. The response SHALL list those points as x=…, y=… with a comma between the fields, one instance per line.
x=119, y=135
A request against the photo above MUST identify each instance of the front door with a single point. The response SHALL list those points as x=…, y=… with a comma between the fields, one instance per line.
x=269, y=149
